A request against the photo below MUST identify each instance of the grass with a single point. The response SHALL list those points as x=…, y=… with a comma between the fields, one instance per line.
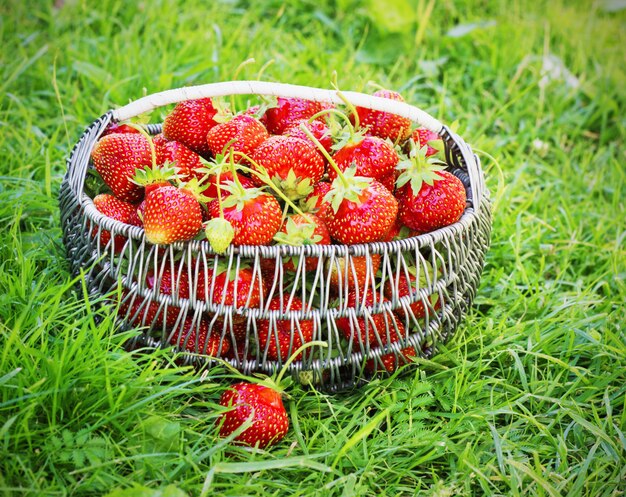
x=529, y=396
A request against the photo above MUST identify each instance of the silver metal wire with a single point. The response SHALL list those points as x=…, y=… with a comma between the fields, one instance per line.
x=444, y=268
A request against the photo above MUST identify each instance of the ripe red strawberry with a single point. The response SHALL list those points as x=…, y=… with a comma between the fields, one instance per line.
x=185, y=160
x=119, y=128
x=116, y=157
x=432, y=205
x=196, y=337
x=384, y=124
x=242, y=133
x=373, y=157
x=390, y=362
x=318, y=128
x=293, y=164
x=428, y=196
x=403, y=286
x=254, y=214
x=240, y=288
x=290, y=110
x=362, y=211
x=116, y=209
x=189, y=123
x=174, y=283
x=287, y=335
x=263, y=405
x=172, y=214
x=424, y=137
x=314, y=202
x=364, y=330
x=357, y=272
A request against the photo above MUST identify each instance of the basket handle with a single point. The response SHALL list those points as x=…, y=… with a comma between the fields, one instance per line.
x=151, y=102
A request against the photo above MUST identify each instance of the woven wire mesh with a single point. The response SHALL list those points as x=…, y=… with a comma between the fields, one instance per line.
x=238, y=326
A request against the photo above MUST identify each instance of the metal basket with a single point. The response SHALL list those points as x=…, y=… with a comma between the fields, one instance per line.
x=448, y=263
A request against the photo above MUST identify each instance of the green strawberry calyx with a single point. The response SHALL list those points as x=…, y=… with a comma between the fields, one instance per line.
x=156, y=174
x=349, y=187
x=195, y=187
x=294, y=186
x=298, y=234
x=416, y=169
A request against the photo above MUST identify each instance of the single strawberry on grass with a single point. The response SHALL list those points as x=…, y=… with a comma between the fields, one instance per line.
x=261, y=406
x=429, y=197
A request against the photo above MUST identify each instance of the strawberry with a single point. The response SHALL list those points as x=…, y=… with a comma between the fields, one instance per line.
x=391, y=361
x=314, y=202
x=362, y=210
x=189, y=122
x=398, y=232
x=185, y=160
x=240, y=288
x=357, y=272
x=290, y=110
x=283, y=338
x=423, y=136
x=136, y=216
x=119, y=128
x=200, y=338
x=172, y=214
x=116, y=157
x=373, y=330
x=242, y=133
x=254, y=214
x=301, y=229
x=403, y=286
x=116, y=209
x=167, y=282
x=261, y=405
x=294, y=165
x=384, y=124
x=428, y=196
x=434, y=205
x=319, y=129
x=372, y=157
x=366, y=330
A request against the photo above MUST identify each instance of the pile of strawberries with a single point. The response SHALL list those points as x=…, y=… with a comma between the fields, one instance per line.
x=293, y=172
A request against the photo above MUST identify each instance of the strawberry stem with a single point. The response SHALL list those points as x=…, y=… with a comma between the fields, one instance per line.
x=349, y=105
x=263, y=68
x=328, y=157
x=335, y=112
x=375, y=85
x=265, y=179
x=236, y=75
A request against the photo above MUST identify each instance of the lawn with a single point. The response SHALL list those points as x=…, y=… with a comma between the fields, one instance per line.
x=528, y=398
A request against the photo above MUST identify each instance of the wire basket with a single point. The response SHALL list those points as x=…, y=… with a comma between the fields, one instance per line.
x=387, y=329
